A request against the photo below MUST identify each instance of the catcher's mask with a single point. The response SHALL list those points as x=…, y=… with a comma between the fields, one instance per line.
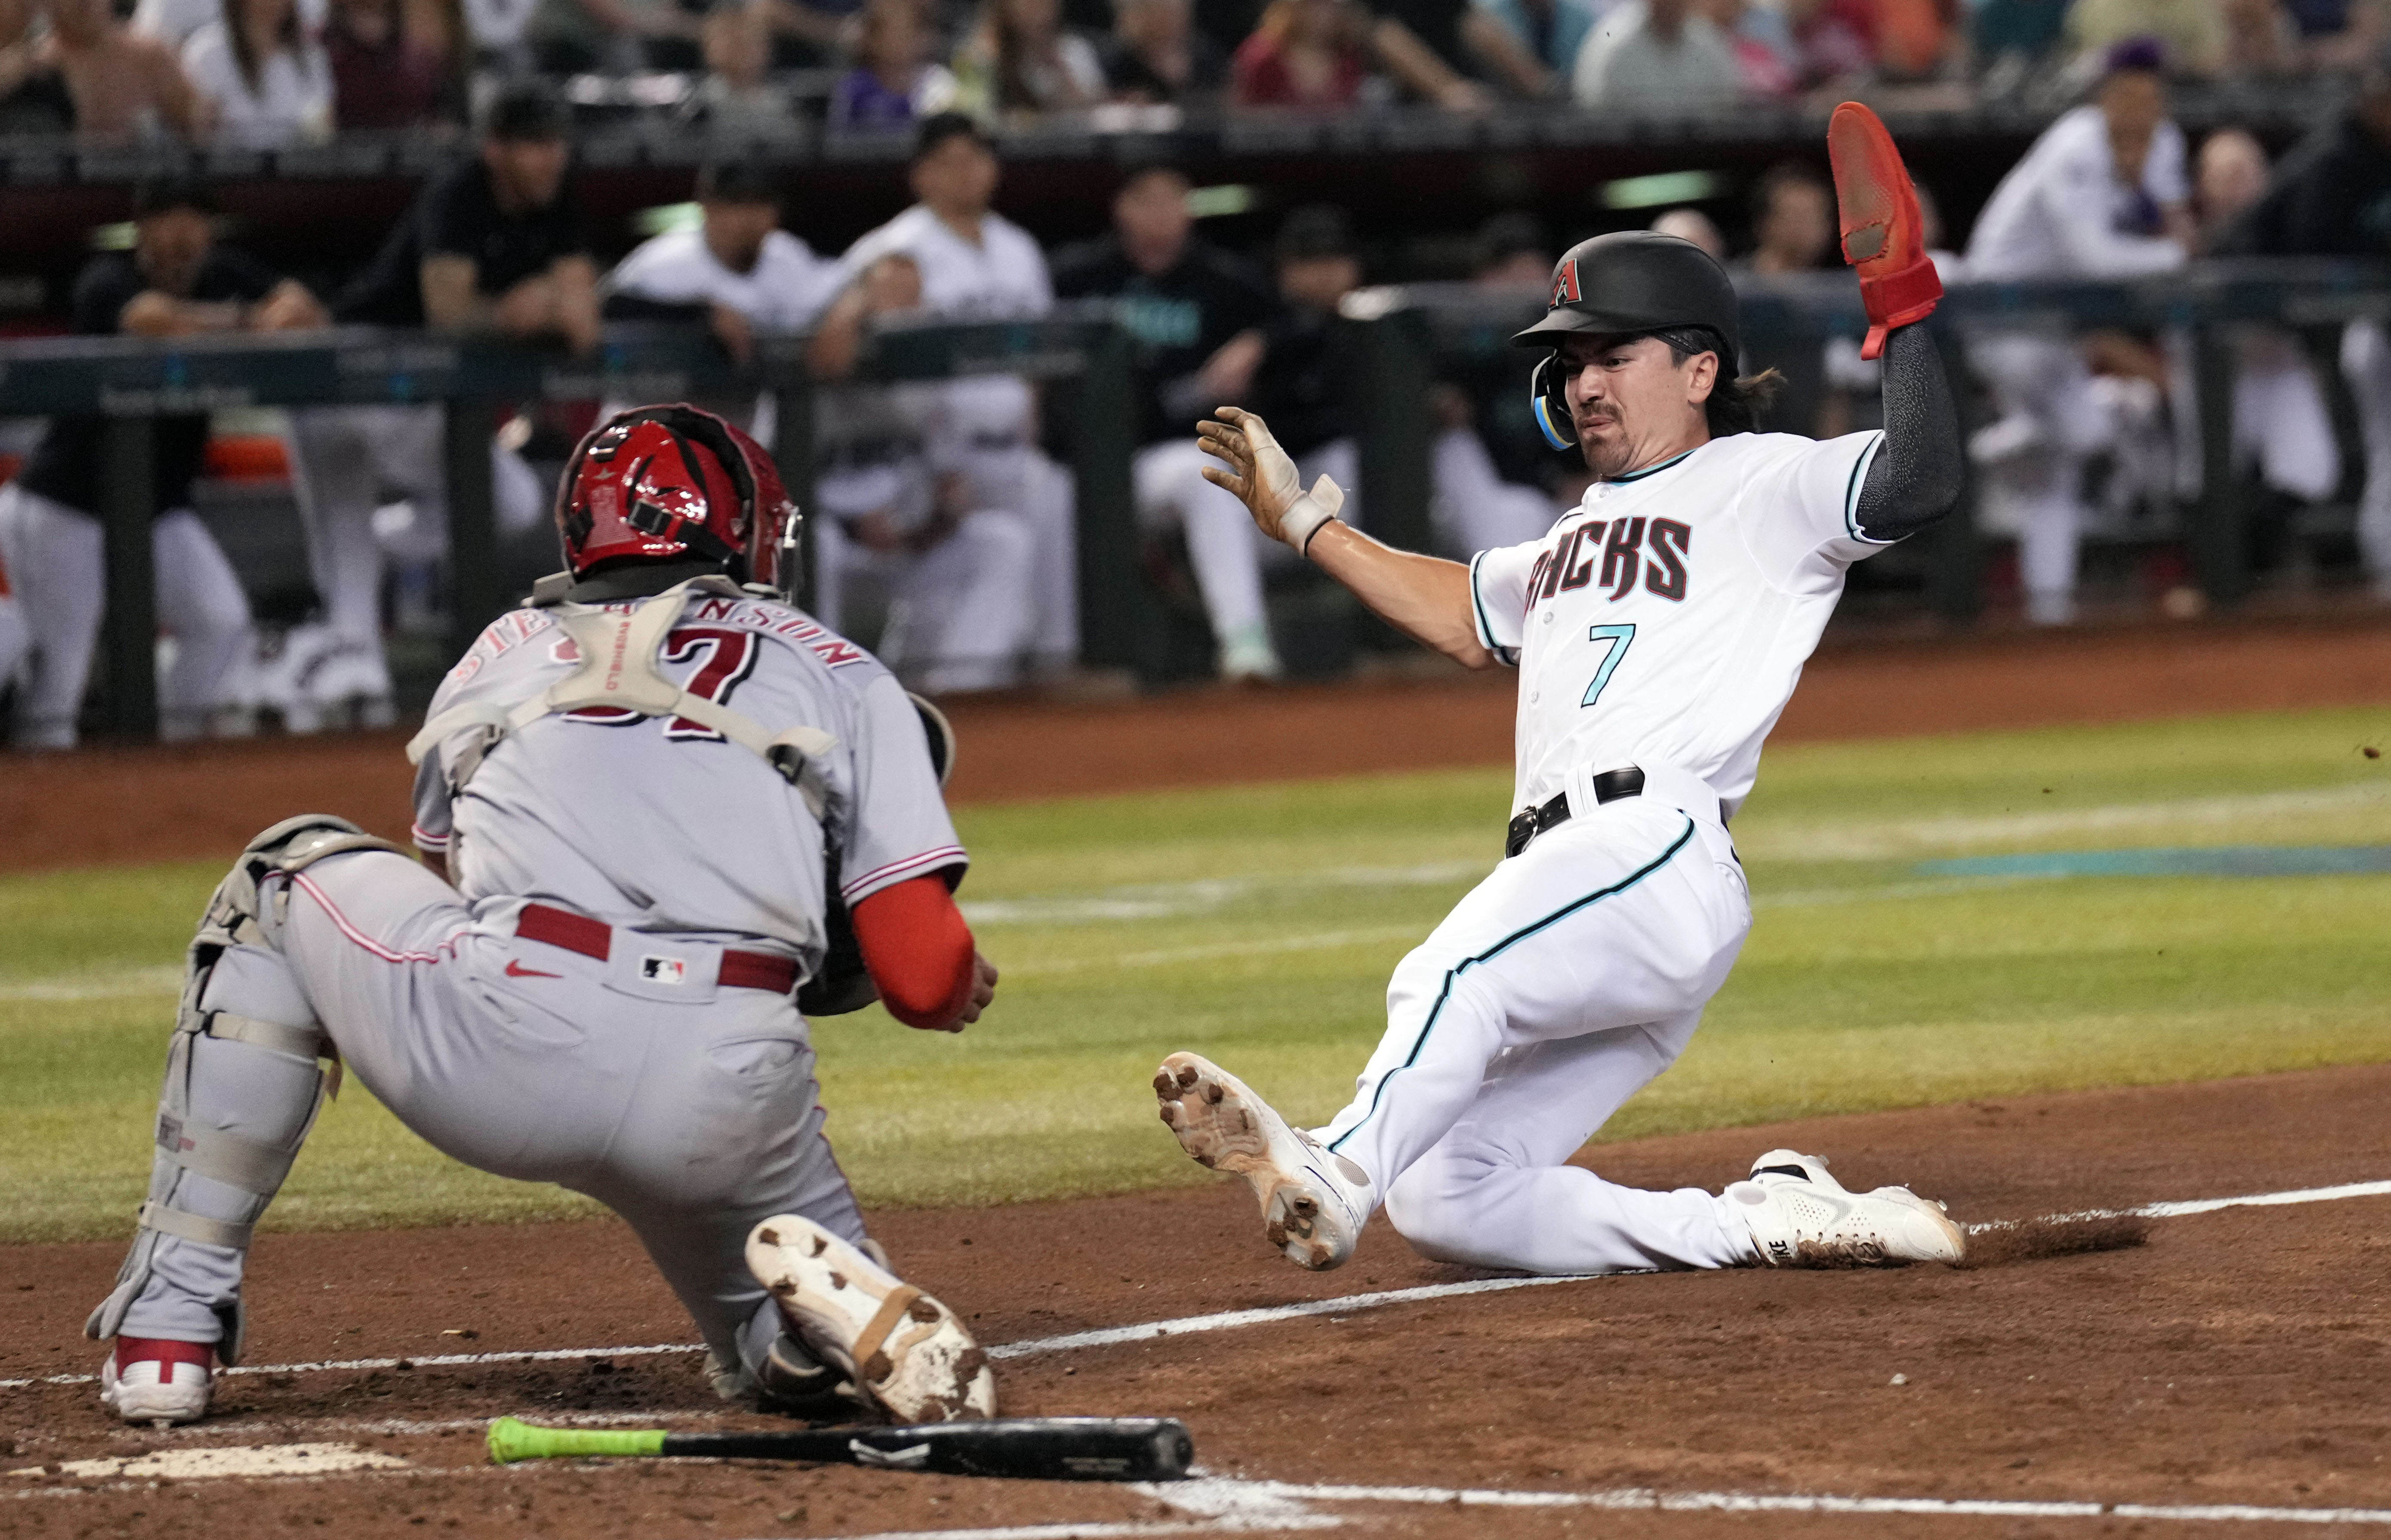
x=1627, y=283
x=670, y=482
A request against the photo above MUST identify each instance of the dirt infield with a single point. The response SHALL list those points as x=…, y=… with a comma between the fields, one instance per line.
x=2238, y=1357
x=161, y=803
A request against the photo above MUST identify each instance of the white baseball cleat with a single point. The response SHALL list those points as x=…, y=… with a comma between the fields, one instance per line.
x=1314, y=1202
x=1802, y=1217
x=897, y=1345
x=160, y=1382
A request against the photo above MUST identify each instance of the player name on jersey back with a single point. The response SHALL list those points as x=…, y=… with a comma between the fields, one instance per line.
x=517, y=626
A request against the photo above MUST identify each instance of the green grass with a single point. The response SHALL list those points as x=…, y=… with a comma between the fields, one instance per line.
x=1258, y=924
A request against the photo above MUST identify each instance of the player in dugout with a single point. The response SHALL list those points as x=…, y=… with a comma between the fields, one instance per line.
x=1658, y=631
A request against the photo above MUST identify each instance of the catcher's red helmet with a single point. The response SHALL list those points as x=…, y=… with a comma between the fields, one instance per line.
x=666, y=483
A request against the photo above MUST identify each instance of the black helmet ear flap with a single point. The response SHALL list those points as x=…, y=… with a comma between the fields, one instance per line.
x=1549, y=404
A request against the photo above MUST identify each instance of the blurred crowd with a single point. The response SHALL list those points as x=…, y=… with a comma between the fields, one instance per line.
x=271, y=73
x=944, y=513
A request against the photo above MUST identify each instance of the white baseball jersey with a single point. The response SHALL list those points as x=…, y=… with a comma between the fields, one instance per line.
x=2063, y=212
x=1001, y=276
x=785, y=290
x=688, y=833
x=1664, y=622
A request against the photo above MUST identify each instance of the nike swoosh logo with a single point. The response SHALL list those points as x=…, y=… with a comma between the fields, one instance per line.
x=517, y=971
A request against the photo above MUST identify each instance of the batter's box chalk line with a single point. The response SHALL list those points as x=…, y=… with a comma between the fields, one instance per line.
x=1229, y=1320
x=1229, y=1506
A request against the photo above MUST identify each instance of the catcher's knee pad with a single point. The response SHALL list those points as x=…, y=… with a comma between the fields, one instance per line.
x=244, y=1087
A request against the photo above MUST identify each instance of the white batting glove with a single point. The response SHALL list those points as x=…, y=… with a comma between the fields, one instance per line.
x=1263, y=478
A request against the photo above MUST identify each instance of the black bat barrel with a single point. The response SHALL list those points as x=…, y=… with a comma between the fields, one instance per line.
x=1041, y=1448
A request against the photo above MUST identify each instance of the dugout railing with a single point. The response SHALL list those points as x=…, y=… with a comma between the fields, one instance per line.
x=1422, y=330
x=1397, y=339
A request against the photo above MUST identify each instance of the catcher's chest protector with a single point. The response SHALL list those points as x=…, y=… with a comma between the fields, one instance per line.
x=617, y=646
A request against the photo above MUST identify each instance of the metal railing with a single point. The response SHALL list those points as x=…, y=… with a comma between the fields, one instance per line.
x=1397, y=337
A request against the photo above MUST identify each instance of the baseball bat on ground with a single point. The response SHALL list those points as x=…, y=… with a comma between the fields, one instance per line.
x=1041, y=1448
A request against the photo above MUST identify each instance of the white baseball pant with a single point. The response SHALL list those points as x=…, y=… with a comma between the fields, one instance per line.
x=1225, y=549
x=2043, y=380
x=1017, y=478
x=55, y=557
x=2366, y=363
x=1475, y=509
x=689, y=1111
x=348, y=456
x=959, y=614
x=1557, y=989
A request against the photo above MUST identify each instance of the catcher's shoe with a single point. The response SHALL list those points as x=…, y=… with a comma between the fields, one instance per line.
x=896, y=1344
x=1311, y=1209
x=146, y=1379
x=1802, y=1217
x=1884, y=235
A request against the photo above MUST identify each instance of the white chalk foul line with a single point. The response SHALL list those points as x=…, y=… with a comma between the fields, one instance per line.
x=1231, y=1319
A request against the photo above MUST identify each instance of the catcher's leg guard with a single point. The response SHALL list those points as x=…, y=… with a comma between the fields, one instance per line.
x=1884, y=232
x=243, y=1085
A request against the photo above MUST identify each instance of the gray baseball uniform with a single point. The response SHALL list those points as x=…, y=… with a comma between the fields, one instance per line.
x=604, y=998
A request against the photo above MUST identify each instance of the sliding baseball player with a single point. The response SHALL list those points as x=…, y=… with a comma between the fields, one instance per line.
x=1658, y=632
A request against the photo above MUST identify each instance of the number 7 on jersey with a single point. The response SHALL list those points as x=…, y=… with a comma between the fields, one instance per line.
x=1619, y=637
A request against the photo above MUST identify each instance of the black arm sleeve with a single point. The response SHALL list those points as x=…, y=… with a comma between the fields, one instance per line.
x=1916, y=477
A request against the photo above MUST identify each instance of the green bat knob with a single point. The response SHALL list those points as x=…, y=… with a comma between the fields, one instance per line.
x=511, y=1440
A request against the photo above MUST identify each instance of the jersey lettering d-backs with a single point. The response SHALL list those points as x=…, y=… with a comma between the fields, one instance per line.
x=661, y=825
x=1665, y=621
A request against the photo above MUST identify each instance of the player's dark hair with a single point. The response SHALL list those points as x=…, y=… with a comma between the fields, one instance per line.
x=939, y=127
x=738, y=182
x=1736, y=402
x=527, y=111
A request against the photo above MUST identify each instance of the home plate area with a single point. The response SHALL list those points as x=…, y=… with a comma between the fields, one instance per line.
x=2124, y=1356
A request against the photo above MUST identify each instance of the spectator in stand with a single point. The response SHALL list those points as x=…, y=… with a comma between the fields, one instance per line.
x=1198, y=313
x=1692, y=225
x=2103, y=193
x=2189, y=34
x=1836, y=41
x=1020, y=60
x=395, y=65
x=173, y=22
x=266, y=82
x=499, y=33
x=1156, y=56
x=1308, y=53
x=123, y=86
x=176, y=282
x=493, y=247
x=2338, y=35
x=1792, y=221
x=2332, y=199
x=2282, y=427
x=1657, y=57
x=978, y=266
x=893, y=82
x=2261, y=41
x=1762, y=42
x=807, y=33
x=1550, y=31
x=737, y=99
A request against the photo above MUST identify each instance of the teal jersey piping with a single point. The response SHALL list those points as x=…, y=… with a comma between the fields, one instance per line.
x=1444, y=992
x=1650, y=470
x=1852, y=491
x=1485, y=627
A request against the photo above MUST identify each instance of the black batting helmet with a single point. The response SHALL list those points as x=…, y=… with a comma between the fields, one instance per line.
x=1628, y=282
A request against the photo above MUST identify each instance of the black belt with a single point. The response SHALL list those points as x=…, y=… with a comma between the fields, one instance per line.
x=1609, y=787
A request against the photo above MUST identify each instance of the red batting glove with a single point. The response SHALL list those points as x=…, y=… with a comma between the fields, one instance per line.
x=1883, y=233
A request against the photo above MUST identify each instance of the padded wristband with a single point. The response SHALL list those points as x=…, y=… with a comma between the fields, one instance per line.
x=1310, y=510
x=1898, y=300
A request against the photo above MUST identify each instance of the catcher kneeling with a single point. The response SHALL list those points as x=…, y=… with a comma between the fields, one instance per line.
x=659, y=792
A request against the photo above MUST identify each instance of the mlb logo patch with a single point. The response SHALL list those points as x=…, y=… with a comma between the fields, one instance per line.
x=663, y=970
x=1564, y=289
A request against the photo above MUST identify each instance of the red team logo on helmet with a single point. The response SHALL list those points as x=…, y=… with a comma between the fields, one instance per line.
x=1564, y=289
x=671, y=483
